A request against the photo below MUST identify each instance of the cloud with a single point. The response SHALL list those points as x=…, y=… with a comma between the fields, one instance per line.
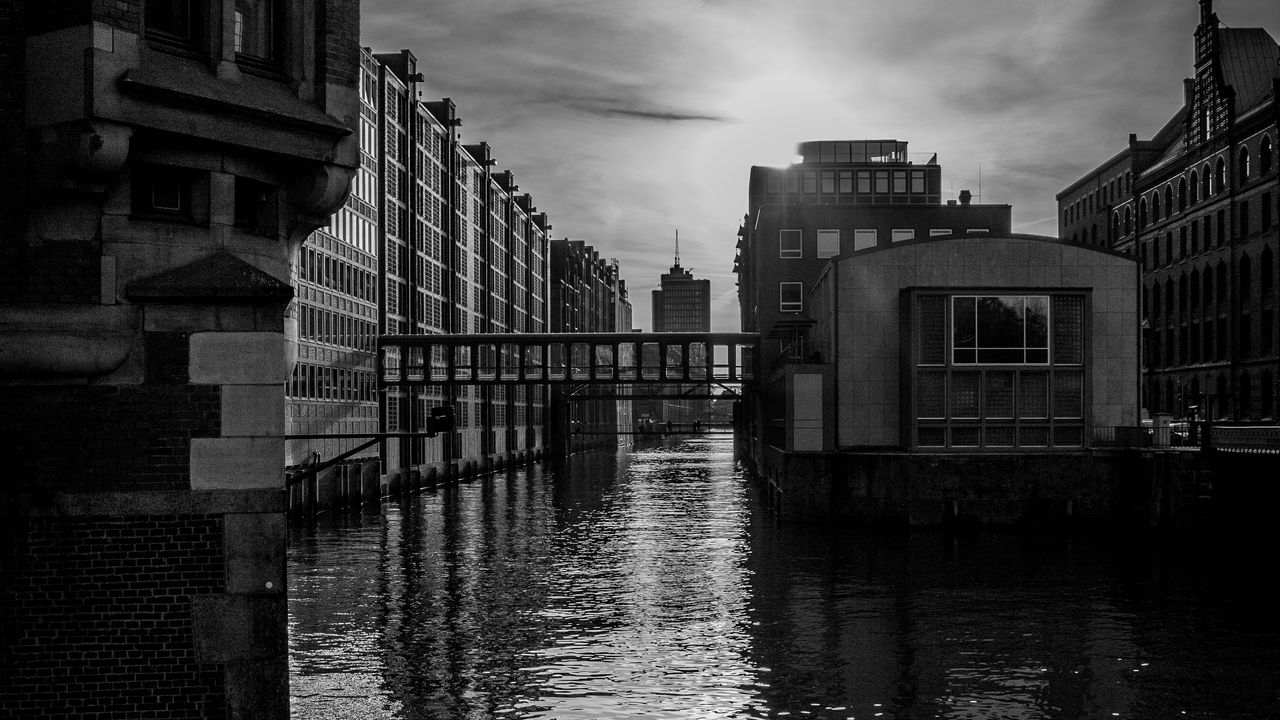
x=606, y=107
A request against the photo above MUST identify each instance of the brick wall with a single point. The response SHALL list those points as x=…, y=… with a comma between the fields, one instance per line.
x=98, y=620
x=104, y=438
x=339, y=47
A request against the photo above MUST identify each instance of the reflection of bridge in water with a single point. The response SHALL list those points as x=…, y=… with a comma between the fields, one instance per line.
x=653, y=364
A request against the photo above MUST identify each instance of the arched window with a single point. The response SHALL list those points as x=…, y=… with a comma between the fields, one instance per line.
x=1194, y=289
x=1155, y=300
x=1182, y=293
x=1208, y=286
x=1168, y=297
x=1222, y=281
x=1220, y=176
x=1168, y=200
x=1264, y=155
x=1206, y=182
x=1128, y=221
x=1243, y=167
x=1142, y=213
x=1182, y=194
x=1127, y=180
x=1245, y=284
x=1169, y=397
x=1155, y=206
x=1115, y=226
x=1266, y=273
x=1195, y=189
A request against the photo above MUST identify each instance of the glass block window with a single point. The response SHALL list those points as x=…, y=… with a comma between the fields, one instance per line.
x=1068, y=329
x=931, y=318
x=932, y=436
x=1068, y=394
x=964, y=394
x=1033, y=395
x=931, y=394
x=998, y=397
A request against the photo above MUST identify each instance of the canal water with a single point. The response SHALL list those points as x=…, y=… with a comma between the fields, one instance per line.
x=655, y=585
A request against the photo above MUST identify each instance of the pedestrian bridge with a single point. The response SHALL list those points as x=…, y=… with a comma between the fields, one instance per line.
x=570, y=358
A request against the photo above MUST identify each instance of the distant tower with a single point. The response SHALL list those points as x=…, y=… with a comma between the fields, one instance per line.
x=682, y=304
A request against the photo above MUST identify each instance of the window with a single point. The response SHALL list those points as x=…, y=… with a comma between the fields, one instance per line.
x=864, y=181
x=900, y=182
x=939, y=232
x=790, y=244
x=1244, y=165
x=1265, y=153
x=846, y=181
x=900, y=235
x=1193, y=188
x=917, y=182
x=169, y=193
x=790, y=297
x=828, y=182
x=1011, y=330
x=828, y=243
x=1000, y=401
x=256, y=28
x=882, y=182
x=863, y=239
x=256, y=207
x=175, y=21
x=810, y=181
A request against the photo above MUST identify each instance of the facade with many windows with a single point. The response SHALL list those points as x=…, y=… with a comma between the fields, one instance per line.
x=1199, y=205
x=432, y=240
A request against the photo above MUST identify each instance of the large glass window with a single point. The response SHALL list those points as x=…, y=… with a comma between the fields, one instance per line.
x=999, y=371
x=1000, y=329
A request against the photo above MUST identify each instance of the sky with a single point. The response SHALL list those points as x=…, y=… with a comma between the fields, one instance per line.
x=628, y=120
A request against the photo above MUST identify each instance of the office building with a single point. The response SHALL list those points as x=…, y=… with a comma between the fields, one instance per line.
x=681, y=303
x=1197, y=205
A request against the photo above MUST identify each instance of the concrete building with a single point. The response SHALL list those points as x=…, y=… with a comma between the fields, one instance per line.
x=1197, y=204
x=166, y=163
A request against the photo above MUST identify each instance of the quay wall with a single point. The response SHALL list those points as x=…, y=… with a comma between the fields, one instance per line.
x=1101, y=489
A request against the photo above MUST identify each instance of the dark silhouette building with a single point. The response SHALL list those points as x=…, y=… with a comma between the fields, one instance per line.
x=682, y=303
x=1197, y=204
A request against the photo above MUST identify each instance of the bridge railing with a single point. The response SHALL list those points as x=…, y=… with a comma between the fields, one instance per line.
x=567, y=357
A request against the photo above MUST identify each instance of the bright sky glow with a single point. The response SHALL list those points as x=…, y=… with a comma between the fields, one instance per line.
x=628, y=119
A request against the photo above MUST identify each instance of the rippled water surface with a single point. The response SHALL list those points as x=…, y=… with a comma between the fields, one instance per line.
x=652, y=584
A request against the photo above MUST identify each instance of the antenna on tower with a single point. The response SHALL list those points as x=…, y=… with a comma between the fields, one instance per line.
x=677, y=247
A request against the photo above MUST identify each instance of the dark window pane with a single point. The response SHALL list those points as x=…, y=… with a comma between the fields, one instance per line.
x=1037, y=321
x=1033, y=437
x=999, y=437
x=1000, y=322
x=255, y=31
x=963, y=321
x=931, y=436
x=966, y=436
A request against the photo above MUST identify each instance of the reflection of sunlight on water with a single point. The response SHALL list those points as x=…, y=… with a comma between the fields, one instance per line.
x=648, y=586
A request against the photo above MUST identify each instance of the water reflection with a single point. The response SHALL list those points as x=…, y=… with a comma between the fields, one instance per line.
x=646, y=586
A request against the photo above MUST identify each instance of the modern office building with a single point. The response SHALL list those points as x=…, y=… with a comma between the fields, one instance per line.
x=1197, y=205
x=681, y=303
x=841, y=197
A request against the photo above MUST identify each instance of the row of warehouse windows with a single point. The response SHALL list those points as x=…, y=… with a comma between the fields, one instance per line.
x=864, y=182
x=1198, y=342
x=1189, y=286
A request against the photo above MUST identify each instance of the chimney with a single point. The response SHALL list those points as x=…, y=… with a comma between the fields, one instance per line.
x=965, y=197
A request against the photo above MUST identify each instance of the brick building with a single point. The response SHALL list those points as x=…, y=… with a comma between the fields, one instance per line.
x=167, y=161
x=841, y=197
x=1197, y=204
